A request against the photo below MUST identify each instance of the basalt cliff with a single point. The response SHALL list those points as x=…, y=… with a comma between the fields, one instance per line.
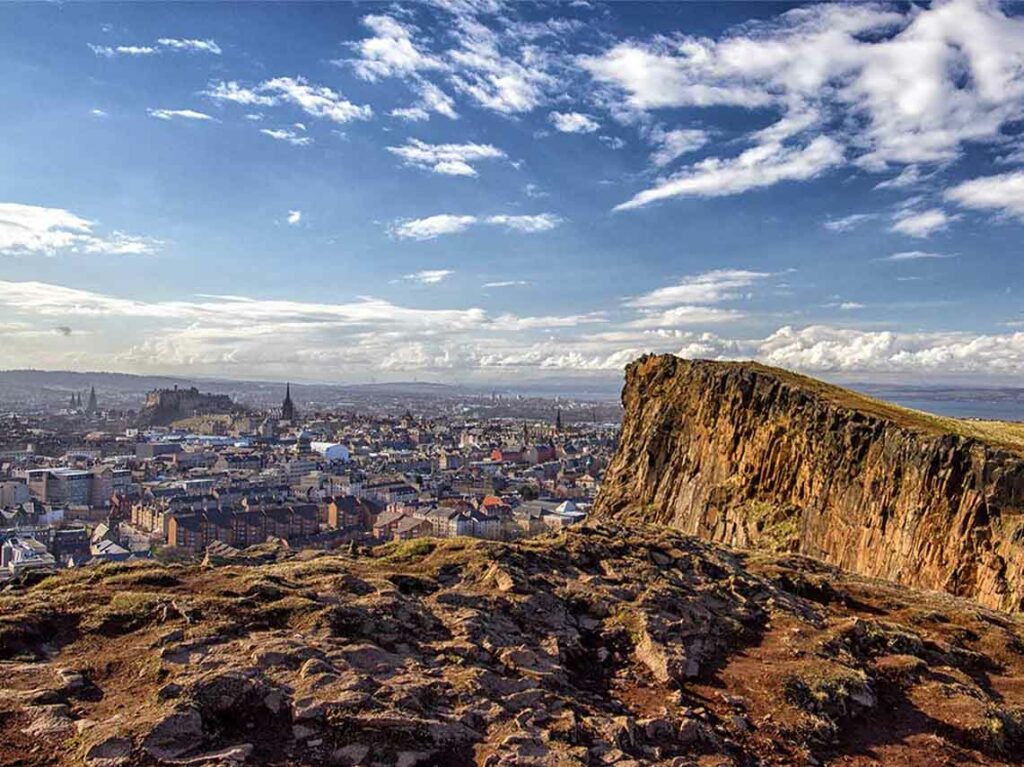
x=753, y=456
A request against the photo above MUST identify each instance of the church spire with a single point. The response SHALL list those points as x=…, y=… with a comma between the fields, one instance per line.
x=288, y=407
x=91, y=408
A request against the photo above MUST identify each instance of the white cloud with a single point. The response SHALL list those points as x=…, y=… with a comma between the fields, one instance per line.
x=412, y=114
x=886, y=86
x=429, y=276
x=686, y=316
x=573, y=122
x=446, y=223
x=446, y=159
x=759, y=166
x=163, y=44
x=391, y=52
x=97, y=112
x=231, y=91
x=294, y=217
x=539, y=223
x=921, y=223
x=915, y=255
x=286, y=134
x=190, y=45
x=315, y=100
x=505, y=284
x=673, y=144
x=110, y=52
x=181, y=114
x=34, y=230
x=1003, y=193
x=707, y=288
x=500, y=66
x=431, y=227
x=846, y=223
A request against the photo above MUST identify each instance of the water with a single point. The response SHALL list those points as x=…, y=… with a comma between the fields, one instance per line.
x=989, y=404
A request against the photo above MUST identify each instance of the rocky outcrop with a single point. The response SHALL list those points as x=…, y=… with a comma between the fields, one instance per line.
x=164, y=406
x=755, y=456
x=606, y=645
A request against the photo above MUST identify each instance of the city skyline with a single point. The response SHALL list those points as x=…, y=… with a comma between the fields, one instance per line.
x=476, y=192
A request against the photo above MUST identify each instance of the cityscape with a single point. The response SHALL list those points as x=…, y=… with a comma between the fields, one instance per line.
x=188, y=473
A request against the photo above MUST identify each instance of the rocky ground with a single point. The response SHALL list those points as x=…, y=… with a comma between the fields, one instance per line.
x=602, y=646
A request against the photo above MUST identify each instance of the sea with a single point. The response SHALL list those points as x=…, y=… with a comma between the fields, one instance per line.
x=1003, y=404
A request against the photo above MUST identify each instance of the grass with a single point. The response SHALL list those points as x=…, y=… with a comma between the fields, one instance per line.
x=1008, y=435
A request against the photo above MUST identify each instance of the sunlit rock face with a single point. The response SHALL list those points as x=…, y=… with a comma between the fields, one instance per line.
x=754, y=456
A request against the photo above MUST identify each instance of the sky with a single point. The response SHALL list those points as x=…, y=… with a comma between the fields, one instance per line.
x=479, y=192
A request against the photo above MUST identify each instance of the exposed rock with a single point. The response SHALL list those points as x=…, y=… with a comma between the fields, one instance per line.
x=748, y=455
x=606, y=645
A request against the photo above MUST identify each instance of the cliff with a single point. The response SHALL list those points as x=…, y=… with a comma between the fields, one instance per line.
x=630, y=646
x=749, y=455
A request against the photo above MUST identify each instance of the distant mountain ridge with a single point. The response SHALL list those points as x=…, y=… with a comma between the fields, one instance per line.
x=754, y=456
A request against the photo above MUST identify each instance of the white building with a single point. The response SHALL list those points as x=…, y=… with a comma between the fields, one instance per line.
x=331, y=451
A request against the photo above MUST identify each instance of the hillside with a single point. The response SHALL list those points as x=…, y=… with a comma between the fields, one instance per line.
x=606, y=645
x=749, y=455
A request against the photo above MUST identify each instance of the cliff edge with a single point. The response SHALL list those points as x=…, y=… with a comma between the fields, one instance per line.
x=754, y=456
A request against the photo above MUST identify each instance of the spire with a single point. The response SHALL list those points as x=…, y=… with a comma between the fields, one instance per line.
x=558, y=420
x=288, y=407
x=91, y=408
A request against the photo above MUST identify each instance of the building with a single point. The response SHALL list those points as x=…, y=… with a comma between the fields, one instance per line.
x=20, y=554
x=331, y=451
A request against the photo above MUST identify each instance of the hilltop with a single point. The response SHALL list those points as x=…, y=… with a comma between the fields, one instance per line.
x=754, y=456
x=605, y=645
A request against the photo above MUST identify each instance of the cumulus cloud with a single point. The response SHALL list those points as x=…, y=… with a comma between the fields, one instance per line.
x=431, y=227
x=294, y=217
x=446, y=159
x=288, y=135
x=673, y=144
x=486, y=57
x=573, y=122
x=706, y=288
x=34, y=230
x=1003, y=193
x=885, y=86
x=178, y=114
x=445, y=223
x=759, y=166
x=921, y=223
x=390, y=51
x=539, y=223
x=315, y=100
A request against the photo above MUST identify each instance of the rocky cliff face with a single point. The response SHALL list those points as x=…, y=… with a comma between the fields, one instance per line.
x=753, y=456
x=606, y=645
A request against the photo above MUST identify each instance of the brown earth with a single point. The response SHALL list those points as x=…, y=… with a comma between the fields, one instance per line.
x=753, y=456
x=605, y=645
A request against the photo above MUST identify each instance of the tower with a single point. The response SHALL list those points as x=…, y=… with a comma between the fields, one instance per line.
x=558, y=421
x=91, y=408
x=288, y=407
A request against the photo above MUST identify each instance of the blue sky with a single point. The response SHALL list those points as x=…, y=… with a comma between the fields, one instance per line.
x=485, y=192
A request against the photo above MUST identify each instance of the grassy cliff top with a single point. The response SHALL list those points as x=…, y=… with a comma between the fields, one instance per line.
x=1007, y=435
